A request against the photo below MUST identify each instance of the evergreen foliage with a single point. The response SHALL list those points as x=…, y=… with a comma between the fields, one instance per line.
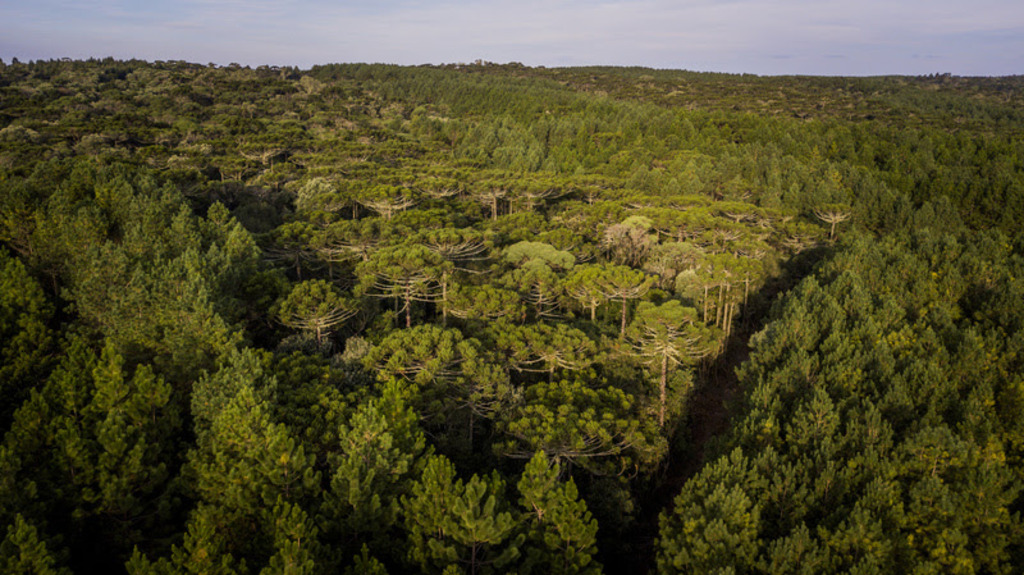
x=449, y=319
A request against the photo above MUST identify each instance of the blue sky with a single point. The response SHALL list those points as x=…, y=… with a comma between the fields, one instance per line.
x=823, y=37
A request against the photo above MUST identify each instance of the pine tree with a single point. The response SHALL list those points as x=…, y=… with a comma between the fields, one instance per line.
x=205, y=550
x=451, y=523
x=25, y=340
x=562, y=535
x=22, y=552
x=295, y=541
x=365, y=564
x=716, y=525
x=245, y=462
x=95, y=443
x=378, y=456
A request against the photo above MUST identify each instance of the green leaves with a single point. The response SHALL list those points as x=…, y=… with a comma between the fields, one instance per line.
x=316, y=307
x=378, y=454
x=25, y=339
x=245, y=461
x=572, y=421
x=249, y=461
x=295, y=542
x=109, y=432
x=451, y=522
x=716, y=524
x=585, y=284
x=23, y=552
x=542, y=347
x=667, y=335
x=525, y=254
x=205, y=549
x=421, y=354
x=861, y=451
x=409, y=273
x=561, y=533
x=453, y=376
x=387, y=200
x=486, y=302
x=148, y=274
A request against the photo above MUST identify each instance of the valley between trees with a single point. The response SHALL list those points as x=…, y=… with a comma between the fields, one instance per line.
x=493, y=319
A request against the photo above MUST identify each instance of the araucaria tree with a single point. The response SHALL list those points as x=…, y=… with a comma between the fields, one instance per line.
x=666, y=336
x=832, y=214
x=531, y=272
x=407, y=273
x=316, y=307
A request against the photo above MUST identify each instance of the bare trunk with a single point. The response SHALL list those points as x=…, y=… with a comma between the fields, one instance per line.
x=719, y=311
x=408, y=307
x=704, y=316
x=444, y=301
x=622, y=332
x=663, y=391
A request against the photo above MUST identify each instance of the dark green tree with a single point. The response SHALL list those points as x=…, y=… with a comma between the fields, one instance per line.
x=22, y=552
x=27, y=340
x=576, y=423
x=452, y=523
x=377, y=460
x=315, y=306
x=668, y=335
x=407, y=273
x=562, y=535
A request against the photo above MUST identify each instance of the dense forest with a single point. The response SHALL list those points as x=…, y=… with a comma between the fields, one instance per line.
x=498, y=319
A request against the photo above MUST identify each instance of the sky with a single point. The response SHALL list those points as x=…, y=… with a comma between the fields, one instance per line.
x=765, y=37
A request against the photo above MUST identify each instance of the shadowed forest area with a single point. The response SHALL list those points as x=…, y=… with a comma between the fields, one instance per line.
x=497, y=319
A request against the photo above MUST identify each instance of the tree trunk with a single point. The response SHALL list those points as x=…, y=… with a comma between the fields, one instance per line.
x=622, y=332
x=704, y=315
x=444, y=300
x=408, y=307
x=719, y=312
x=663, y=390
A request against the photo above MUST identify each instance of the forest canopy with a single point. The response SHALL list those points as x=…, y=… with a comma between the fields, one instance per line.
x=491, y=319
